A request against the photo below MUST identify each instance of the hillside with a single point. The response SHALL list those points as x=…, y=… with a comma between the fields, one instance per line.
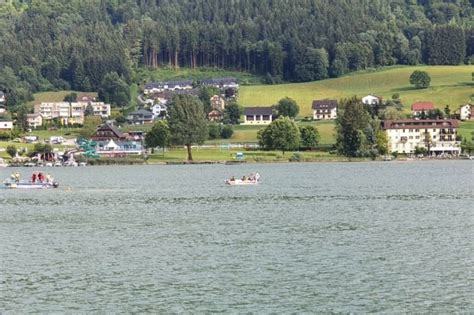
x=449, y=85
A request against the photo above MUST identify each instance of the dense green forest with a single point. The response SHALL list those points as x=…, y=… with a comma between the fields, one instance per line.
x=74, y=44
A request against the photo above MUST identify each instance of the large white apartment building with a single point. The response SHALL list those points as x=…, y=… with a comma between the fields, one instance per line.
x=437, y=135
x=71, y=113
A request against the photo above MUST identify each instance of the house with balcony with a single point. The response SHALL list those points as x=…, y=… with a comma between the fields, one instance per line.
x=59, y=110
x=324, y=109
x=100, y=109
x=435, y=135
x=140, y=117
x=421, y=107
x=34, y=120
x=106, y=132
x=258, y=116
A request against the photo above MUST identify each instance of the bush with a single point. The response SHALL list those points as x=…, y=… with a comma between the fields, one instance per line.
x=214, y=131
x=226, y=132
x=11, y=150
x=296, y=157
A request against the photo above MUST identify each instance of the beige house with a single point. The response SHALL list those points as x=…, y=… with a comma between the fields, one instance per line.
x=61, y=110
x=258, y=116
x=324, y=109
x=217, y=102
x=406, y=135
x=34, y=120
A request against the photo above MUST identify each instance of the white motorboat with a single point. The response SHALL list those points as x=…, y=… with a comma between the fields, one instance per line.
x=240, y=182
x=250, y=180
x=25, y=184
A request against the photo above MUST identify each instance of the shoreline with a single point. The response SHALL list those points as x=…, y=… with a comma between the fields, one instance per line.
x=233, y=162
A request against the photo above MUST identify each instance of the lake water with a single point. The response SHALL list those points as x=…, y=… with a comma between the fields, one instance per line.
x=329, y=237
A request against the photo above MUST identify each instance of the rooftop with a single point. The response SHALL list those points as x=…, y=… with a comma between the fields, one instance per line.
x=418, y=106
x=420, y=123
x=258, y=111
x=324, y=104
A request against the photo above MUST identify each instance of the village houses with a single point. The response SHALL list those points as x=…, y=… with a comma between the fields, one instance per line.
x=155, y=87
x=324, y=109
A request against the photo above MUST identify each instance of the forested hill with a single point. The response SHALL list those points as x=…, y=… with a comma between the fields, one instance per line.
x=73, y=44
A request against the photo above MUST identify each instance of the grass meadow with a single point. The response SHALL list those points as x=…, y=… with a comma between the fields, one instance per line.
x=450, y=85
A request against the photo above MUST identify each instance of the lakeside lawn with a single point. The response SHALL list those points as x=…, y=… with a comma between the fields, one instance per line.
x=449, y=85
x=223, y=154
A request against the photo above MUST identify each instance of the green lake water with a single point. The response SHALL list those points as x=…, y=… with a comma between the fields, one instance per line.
x=311, y=238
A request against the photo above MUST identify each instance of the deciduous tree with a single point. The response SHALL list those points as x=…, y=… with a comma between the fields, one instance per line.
x=287, y=107
x=282, y=134
x=420, y=79
x=187, y=121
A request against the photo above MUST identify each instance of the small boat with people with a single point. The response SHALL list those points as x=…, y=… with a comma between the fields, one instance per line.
x=252, y=179
x=38, y=181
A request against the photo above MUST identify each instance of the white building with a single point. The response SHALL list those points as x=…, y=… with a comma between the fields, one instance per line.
x=439, y=135
x=159, y=110
x=34, y=120
x=71, y=113
x=371, y=100
x=324, y=109
x=465, y=112
x=6, y=125
x=258, y=116
x=61, y=110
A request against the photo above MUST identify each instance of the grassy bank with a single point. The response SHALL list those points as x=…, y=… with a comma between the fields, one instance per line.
x=449, y=85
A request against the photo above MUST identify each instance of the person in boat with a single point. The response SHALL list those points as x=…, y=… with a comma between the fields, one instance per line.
x=16, y=177
x=232, y=179
x=257, y=176
x=33, y=178
x=49, y=179
x=244, y=178
x=40, y=177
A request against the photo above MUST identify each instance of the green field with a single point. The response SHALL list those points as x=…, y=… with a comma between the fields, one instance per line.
x=466, y=129
x=165, y=73
x=449, y=85
x=57, y=96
